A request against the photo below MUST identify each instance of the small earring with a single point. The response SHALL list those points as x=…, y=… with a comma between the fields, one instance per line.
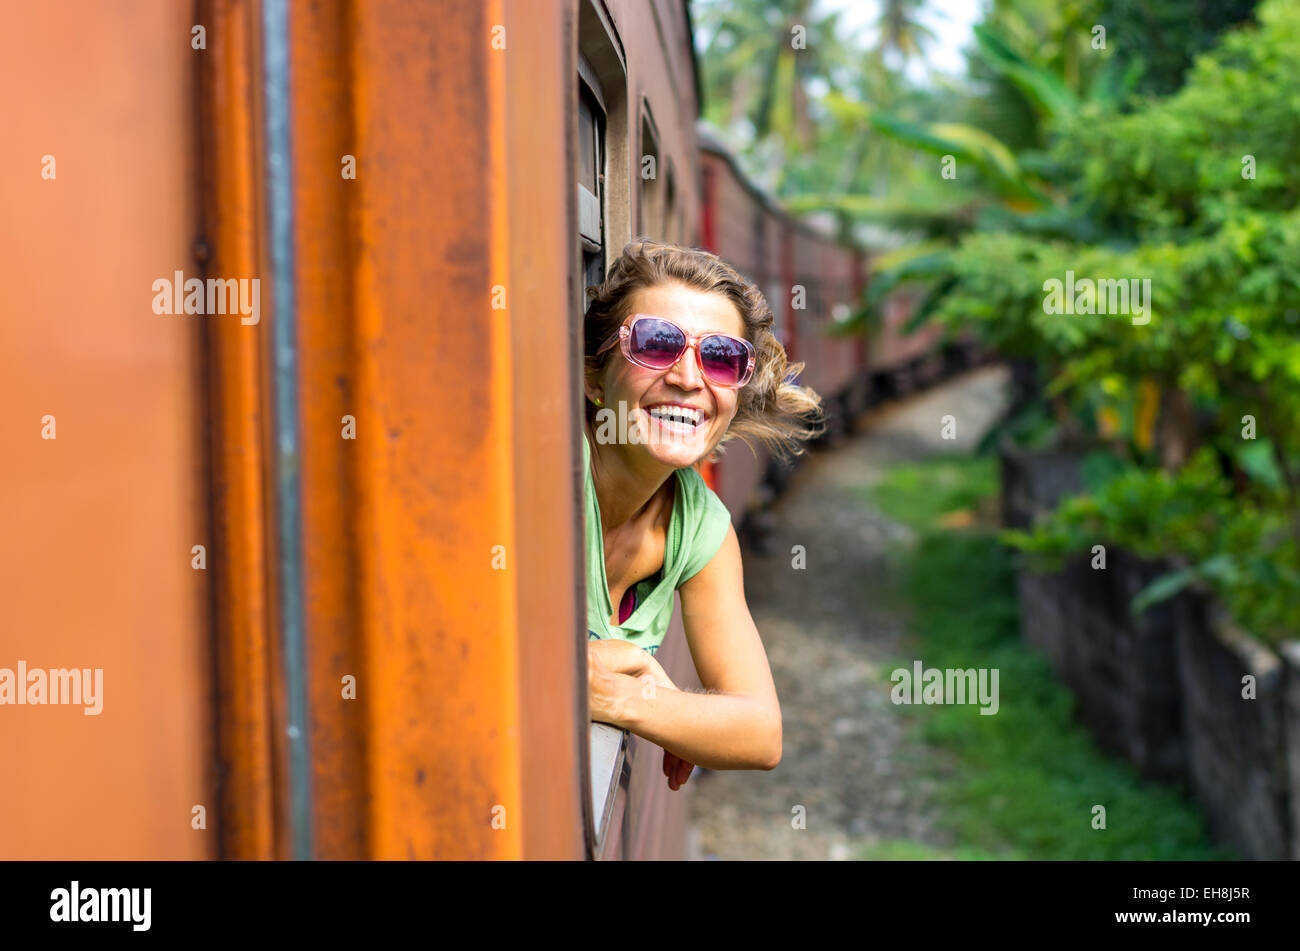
x=598, y=401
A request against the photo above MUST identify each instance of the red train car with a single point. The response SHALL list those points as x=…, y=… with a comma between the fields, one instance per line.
x=811, y=281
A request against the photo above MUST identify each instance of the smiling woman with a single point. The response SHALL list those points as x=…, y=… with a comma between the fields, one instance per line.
x=682, y=345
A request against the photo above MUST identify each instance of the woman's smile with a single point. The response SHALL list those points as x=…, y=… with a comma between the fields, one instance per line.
x=677, y=418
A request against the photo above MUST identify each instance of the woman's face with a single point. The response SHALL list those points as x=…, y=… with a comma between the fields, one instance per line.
x=640, y=389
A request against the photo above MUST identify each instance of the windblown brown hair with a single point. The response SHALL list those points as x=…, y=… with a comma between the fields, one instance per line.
x=771, y=408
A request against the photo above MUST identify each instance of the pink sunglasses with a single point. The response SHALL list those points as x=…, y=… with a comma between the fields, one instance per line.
x=657, y=343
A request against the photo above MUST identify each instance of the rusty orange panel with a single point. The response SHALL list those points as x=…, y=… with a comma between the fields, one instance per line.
x=440, y=541
x=324, y=236
x=231, y=180
x=100, y=520
x=534, y=222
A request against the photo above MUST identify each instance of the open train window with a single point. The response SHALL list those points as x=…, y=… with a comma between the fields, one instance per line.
x=604, y=144
x=602, y=188
x=591, y=177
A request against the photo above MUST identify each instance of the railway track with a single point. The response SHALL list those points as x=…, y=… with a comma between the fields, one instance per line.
x=828, y=629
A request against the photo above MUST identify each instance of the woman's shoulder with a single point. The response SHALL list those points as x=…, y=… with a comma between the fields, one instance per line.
x=702, y=503
x=709, y=522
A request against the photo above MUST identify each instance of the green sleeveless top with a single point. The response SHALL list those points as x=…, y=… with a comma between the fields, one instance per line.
x=695, y=532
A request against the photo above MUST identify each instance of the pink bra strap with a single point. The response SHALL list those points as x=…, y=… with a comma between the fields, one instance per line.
x=628, y=606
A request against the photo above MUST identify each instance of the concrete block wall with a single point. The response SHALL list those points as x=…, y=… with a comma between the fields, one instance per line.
x=1164, y=689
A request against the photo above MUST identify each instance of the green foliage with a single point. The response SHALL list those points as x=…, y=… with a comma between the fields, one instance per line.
x=1239, y=547
x=1031, y=427
x=1028, y=776
x=1158, y=194
x=1174, y=167
x=1172, y=34
x=758, y=85
x=1044, y=88
x=920, y=495
x=1224, y=311
x=1062, y=169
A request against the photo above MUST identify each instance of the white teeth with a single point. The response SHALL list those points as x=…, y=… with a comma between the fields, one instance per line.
x=677, y=414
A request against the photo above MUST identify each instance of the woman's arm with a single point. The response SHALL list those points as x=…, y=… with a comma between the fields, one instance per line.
x=737, y=724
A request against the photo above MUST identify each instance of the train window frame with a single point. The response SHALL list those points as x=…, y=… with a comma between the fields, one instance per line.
x=602, y=70
x=602, y=79
x=591, y=217
x=651, y=220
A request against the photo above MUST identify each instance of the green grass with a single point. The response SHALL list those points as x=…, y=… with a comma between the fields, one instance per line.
x=918, y=495
x=1028, y=777
x=905, y=850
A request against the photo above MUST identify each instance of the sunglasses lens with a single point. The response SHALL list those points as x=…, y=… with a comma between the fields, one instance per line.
x=724, y=359
x=656, y=343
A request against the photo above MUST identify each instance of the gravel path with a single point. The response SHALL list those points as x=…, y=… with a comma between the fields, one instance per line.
x=828, y=631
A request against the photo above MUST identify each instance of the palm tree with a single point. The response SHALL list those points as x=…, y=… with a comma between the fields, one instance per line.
x=901, y=29
x=762, y=61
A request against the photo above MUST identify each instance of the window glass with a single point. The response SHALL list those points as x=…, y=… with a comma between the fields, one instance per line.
x=587, y=130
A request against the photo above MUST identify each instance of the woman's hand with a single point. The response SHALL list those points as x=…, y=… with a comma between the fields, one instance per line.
x=622, y=657
x=609, y=661
x=606, y=693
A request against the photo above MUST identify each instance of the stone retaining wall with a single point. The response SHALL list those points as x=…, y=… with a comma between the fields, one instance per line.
x=1289, y=654
x=1164, y=689
x=1236, y=748
x=1120, y=668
